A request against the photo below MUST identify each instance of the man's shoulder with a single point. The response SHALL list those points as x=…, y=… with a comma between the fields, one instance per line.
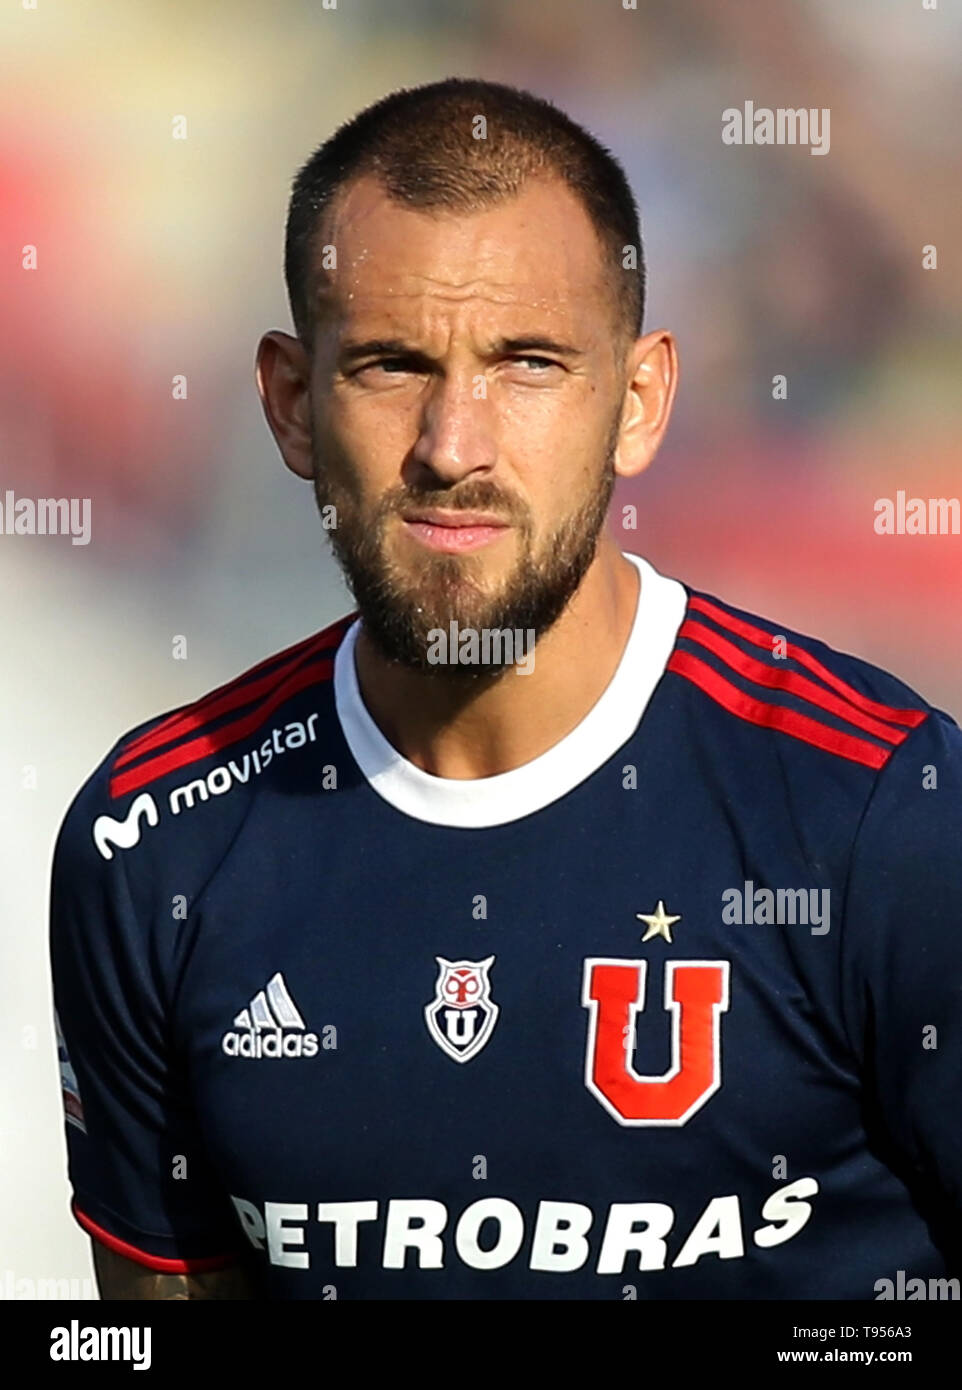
x=765, y=673
x=225, y=739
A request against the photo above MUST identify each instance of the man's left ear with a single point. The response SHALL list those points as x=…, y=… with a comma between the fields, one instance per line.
x=652, y=367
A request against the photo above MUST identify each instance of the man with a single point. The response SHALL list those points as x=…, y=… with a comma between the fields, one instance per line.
x=550, y=930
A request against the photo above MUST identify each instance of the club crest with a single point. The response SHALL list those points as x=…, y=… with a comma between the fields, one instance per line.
x=461, y=1016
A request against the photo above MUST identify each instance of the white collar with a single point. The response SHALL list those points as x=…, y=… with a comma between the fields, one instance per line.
x=479, y=802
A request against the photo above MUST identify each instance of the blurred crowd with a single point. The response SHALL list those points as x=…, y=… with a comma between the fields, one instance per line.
x=160, y=256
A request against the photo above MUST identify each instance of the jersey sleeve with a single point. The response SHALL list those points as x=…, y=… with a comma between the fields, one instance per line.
x=142, y=1184
x=902, y=969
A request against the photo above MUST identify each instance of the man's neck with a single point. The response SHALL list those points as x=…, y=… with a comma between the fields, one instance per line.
x=450, y=728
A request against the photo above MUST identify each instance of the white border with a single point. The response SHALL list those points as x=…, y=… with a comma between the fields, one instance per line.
x=671, y=1005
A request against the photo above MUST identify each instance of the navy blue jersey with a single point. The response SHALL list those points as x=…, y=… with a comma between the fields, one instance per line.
x=671, y=1011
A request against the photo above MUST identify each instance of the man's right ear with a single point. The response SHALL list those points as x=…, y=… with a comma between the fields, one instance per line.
x=282, y=372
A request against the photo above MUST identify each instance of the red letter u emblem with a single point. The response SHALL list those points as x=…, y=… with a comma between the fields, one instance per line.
x=696, y=994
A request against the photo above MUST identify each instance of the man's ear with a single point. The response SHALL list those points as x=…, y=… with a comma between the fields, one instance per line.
x=651, y=365
x=283, y=374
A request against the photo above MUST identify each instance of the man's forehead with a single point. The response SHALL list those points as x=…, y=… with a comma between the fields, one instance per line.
x=539, y=244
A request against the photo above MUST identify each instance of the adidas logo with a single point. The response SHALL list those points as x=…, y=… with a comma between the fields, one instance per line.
x=270, y=1026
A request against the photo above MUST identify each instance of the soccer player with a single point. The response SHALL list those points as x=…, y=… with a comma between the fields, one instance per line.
x=545, y=928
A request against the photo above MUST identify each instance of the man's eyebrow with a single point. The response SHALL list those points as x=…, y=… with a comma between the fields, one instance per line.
x=397, y=347
x=537, y=343
x=375, y=347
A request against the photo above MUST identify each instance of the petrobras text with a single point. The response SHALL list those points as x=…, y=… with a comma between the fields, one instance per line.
x=559, y=1233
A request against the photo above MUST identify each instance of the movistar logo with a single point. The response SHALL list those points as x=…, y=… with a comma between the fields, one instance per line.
x=125, y=833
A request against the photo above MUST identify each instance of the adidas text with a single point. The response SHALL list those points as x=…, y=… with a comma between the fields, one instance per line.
x=270, y=1043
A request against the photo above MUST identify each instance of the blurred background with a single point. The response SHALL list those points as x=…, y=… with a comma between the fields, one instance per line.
x=159, y=256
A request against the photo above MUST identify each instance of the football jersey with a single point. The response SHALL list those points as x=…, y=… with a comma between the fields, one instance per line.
x=671, y=1011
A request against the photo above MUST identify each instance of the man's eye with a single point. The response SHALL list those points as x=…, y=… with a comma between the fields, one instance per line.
x=538, y=361
x=387, y=363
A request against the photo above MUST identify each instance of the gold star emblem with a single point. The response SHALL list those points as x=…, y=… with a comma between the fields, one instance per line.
x=659, y=923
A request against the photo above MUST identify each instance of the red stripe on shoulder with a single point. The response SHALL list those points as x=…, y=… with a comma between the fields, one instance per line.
x=205, y=744
x=780, y=678
x=800, y=726
x=141, y=1257
x=760, y=638
x=240, y=691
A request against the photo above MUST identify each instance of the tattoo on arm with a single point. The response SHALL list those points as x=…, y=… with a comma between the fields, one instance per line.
x=120, y=1278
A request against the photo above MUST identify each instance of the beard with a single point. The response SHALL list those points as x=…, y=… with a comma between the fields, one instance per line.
x=401, y=609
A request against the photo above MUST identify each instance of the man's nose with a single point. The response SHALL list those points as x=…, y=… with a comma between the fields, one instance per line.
x=457, y=430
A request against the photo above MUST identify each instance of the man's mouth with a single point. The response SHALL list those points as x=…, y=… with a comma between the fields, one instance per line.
x=453, y=532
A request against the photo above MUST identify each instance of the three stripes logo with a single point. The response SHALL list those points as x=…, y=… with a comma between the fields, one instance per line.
x=270, y=1026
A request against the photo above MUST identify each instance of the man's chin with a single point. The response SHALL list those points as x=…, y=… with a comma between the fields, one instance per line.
x=436, y=590
x=443, y=576
x=435, y=645
x=436, y=633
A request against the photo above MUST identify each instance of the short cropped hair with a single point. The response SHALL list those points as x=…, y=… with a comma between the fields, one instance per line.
x=420, y=143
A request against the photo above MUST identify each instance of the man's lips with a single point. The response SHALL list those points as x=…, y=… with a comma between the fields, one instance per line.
x=454, y=532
